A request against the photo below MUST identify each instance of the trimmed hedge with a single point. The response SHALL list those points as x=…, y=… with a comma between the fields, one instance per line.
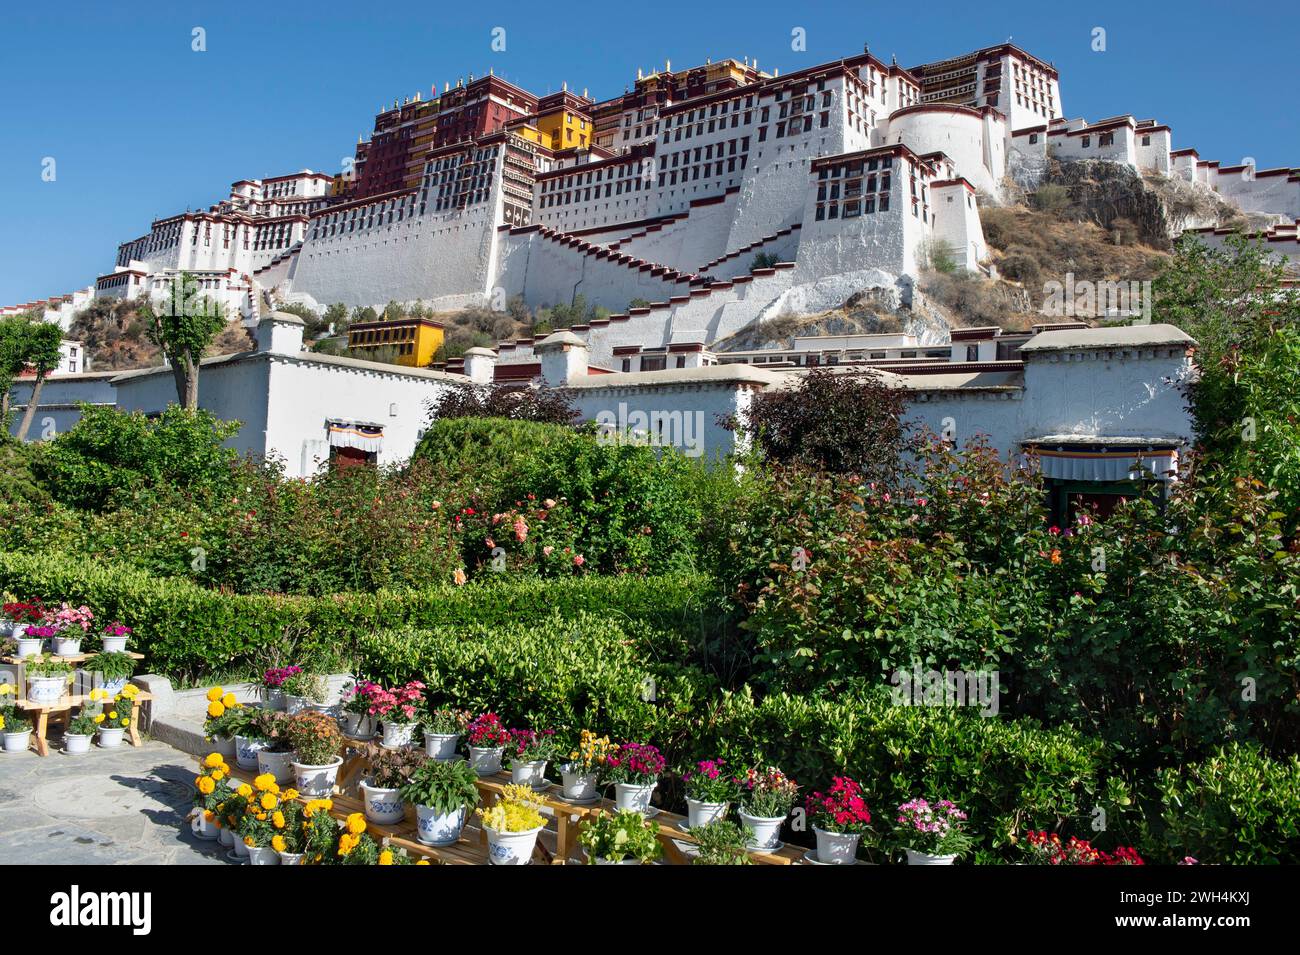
x=186, y=631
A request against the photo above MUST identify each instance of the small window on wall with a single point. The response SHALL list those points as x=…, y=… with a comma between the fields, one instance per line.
x=972, y=352
x=1146, y=140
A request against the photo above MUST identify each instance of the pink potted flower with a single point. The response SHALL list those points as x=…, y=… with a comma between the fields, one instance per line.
x=114, y=637
x=530, y=751
x=709, y=792
x=397, y=709
x=634, y=770
x=839, y=818
x=487, y=738
x=931, y=833
x=68, y=620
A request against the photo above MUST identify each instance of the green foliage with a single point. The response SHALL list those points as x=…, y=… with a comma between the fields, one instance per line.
x=18, y=482
x=479, y=453
x=764, y=260
x=111, y=666
x=109, y=457
x=1052, y=198
x=187, y=631
x=579, y=312
x=1236, y=808
x=183, y=326
x=443, y=786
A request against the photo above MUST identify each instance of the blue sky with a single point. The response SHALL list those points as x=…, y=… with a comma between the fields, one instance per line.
x=140, y=126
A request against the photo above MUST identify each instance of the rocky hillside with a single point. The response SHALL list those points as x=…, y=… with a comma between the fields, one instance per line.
x=116, y=338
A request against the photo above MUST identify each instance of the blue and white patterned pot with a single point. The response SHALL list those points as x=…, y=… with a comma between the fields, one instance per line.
x=246, y=750
x=383, y=806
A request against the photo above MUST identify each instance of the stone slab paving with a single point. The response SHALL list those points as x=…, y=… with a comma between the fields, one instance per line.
x=123, y=806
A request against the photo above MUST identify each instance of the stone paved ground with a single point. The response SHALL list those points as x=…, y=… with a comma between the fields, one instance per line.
x=123, y=806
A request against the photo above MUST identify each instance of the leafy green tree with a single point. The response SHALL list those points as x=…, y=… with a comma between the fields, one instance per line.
x=183, y=326
x=39, y=350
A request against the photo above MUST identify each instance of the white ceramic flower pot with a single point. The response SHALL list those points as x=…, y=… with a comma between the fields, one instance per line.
x=17, y=742
x=511, y=848
x=580, y=786
x=397, y=735
x=225, y=837
x=111, y=738
x=263, y=856
x=114, y=644
x=29, y=646
x=279, y=765
x=74, y=743
x=273, y=699
x=291, y=858
x=702, y=813
x=114, y=687
x=383, y=806
x=67, y=646
x=836, y=848
x=922, y=858
x=765, y=831
x=246, y=750
x=203, y=827
x=438, y=829
x=316, y=781
x=634, y=796
x=45, y=689
x=531, y=774
x=241, y=848
x=441, y=746
x=359, y=725
x=486, y=760
x=223, y=745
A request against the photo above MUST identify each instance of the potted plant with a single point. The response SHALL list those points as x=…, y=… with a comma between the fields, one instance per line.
x=530, y=751
x=15, y=727
x=78, y=734
x=512, y=824
x=211, y=789
x=243, y=723
x=620, y=838
x=397, y=711
x=634, y=770
x=112, y=714
x=767, y=796
x=303, y=690
x=487, y=743
x=290, y=837
x=315, y=739
x=320, y=831
x=839, y=818
x=273, y=680
x=931, y=833
x=354, y=702
x=66, y=621
x=47, y=678
x=390, y=770
x=354, y=846
x=442, y=732
x=442, y=791
x=23, y=617
x=258, y=826
x=721, y=843
x=275, y=756
x=230, y=814
x=112, y=639
x=224, y=720
x=114, y=670
x=709, y=792
x=581, y=774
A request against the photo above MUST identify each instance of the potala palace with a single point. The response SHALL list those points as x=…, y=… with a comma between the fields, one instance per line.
x=841, y=177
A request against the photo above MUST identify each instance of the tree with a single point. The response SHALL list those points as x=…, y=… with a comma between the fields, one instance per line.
x=845, y=424
x=11, y=363
x=39, y=350
x=183, y=326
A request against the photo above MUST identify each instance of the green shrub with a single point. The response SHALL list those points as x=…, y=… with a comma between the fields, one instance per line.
x=1236, y=808
x=480, y=452
x=187, y=631
x=110, y=456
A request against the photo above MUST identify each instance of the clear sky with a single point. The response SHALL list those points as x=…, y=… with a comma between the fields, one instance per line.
x=141, y=126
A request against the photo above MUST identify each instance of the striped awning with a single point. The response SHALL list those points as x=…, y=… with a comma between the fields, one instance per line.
x=355, y=434
x=1100, y=462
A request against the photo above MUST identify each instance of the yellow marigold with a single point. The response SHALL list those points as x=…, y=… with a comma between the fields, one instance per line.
x=2, y=722
x=99, y=717
x=268, y=801
x=206, y=785
x=278, y=843
x=248, y=841
x=264, y=782
x=261, y=817
x=96, y=695
x=126, y=721
x=7, y=688
x=130, y=691
x=113, y=715
x=347, y=843
x=218, y=774
x=212, y=760
x=245, y=790
x=422, y=862
x=215, y=709
x=291, y=794
x=357, y=823
x=229, y=701
x=214, y=694
x=386, y=857
x=277, y=819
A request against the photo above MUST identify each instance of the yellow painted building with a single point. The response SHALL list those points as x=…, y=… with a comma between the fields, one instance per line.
x=564, y=129
x=403, y=341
